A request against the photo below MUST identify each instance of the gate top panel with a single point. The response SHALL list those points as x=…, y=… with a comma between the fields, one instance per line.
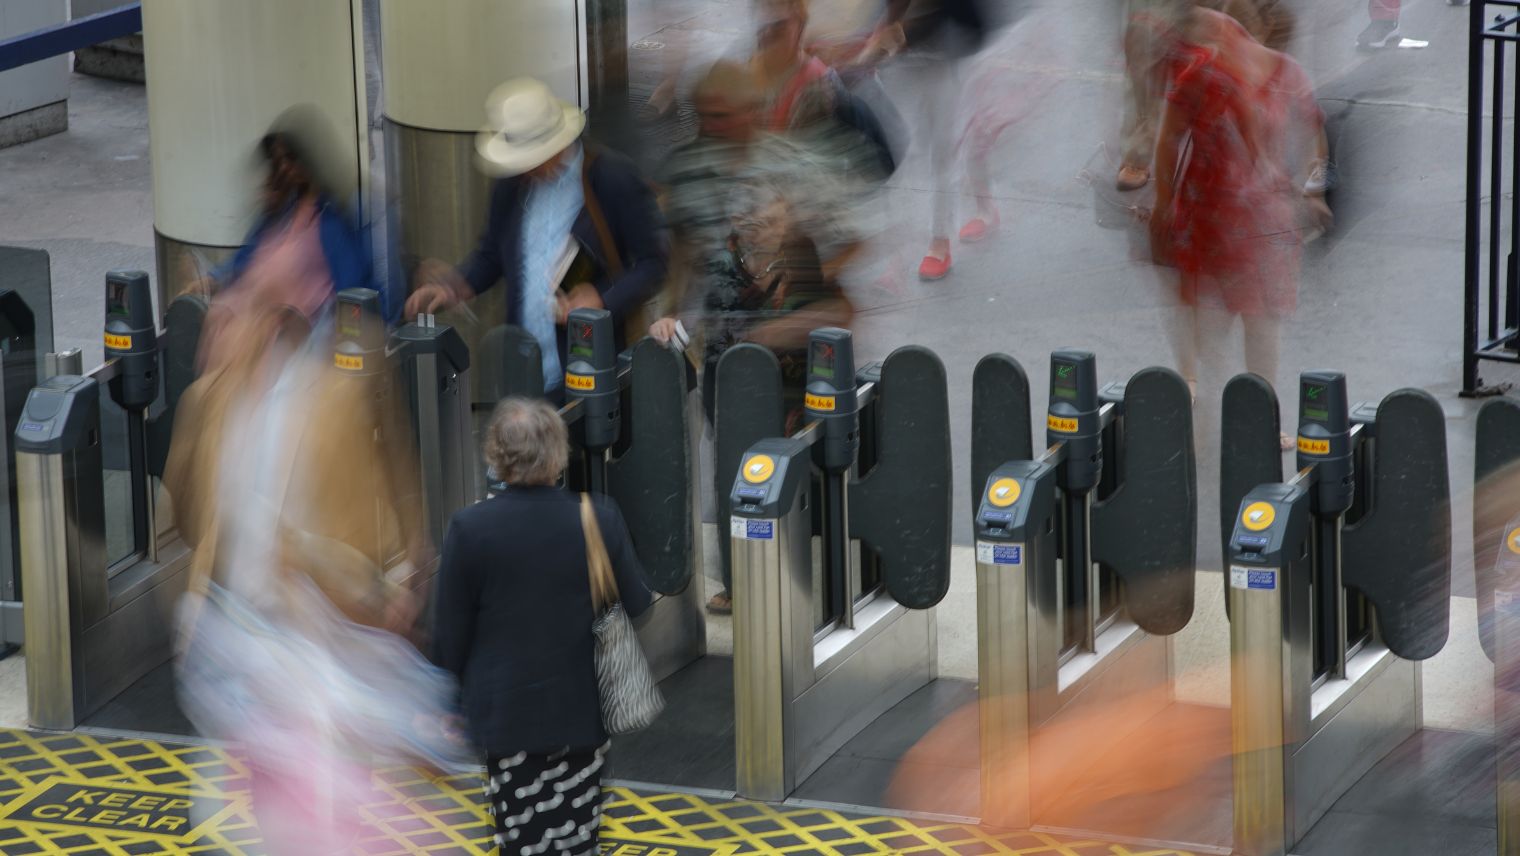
x=1147, y=529
x=747, y=409
x=652, y=480
x=1399, y=553
x=1496, y=499
x=1249, y=454
x=902, y=508
x=1000, y=423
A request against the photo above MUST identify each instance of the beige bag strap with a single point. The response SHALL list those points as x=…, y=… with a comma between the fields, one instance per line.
x=604, y=592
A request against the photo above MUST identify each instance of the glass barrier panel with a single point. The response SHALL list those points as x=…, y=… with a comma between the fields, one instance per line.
x=121, y=505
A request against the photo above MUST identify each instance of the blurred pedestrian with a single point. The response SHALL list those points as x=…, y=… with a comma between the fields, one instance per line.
x=772, y=290
x=947, y=32
x=1151, y=34
x=1235, y=197
x=1382, y=25
x=284, y=648
x=796, y=88
x=513, y=621
x=305, y=245
x=707, y=180
x=559, y=208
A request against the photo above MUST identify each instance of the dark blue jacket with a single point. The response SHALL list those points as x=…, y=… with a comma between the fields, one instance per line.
x=512, y=617
x=633, y=219
x=345, y=245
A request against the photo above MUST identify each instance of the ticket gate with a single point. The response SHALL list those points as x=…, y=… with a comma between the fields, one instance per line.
x=96, y=622
x=822, y=648
x=1085, y=565
x=434, y=382
x=630, y=438
x=1338, y=583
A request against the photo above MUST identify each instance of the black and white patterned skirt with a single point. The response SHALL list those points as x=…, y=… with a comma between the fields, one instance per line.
x=546, y=803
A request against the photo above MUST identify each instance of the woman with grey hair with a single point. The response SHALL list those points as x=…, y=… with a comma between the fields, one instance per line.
x=513, y=622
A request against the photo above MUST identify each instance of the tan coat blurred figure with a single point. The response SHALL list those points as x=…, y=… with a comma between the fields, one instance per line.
x=357, y=478
x=359, y=497
x=294, y=484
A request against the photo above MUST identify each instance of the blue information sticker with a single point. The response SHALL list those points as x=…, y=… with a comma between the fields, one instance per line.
x=752, y=530
x=993, y=553
x=31, y=426
x=1258, y=579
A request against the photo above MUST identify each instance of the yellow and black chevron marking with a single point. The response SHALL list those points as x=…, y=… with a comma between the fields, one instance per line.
x=83, y=795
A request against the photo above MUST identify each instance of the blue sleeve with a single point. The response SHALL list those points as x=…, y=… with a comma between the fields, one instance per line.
x=228, y=272
x=349, y=261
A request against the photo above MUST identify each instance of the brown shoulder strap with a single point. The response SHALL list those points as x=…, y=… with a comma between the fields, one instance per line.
x=610, y=255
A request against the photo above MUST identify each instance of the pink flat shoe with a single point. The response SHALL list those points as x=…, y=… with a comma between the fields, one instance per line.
x=933, y=267
x=978, y=228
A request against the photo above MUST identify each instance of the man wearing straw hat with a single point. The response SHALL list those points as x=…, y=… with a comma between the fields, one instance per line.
x=569, y=226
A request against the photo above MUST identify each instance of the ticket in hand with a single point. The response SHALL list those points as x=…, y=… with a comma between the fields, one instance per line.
x=679, y=339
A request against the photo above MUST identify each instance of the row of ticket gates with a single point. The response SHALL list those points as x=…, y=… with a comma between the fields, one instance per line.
x=839, y=544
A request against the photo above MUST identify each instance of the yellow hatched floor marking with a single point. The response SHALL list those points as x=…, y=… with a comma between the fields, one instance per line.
x=414, y=812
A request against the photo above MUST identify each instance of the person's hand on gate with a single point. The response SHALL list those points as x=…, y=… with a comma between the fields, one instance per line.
x=663, y=330
x=438, y=287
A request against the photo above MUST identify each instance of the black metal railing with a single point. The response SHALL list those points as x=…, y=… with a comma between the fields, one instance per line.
x=1491, y=308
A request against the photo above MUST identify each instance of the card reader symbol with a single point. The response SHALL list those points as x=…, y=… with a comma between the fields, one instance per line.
x=758, y=468
x=1004, y=492
x=1258, y=516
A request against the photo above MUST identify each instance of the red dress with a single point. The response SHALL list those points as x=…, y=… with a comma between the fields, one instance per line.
x=1235, y=209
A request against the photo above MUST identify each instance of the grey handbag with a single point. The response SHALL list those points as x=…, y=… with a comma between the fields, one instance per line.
x=630, y=699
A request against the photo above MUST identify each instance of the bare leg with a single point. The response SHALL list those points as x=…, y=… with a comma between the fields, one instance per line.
x=1262, y=335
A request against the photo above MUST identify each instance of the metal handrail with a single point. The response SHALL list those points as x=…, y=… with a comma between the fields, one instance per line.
x=74, y=35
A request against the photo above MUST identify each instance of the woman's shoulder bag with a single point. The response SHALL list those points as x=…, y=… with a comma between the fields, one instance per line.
x=630, y=699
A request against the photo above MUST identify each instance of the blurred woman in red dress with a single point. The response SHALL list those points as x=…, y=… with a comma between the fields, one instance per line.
x=1232, y=209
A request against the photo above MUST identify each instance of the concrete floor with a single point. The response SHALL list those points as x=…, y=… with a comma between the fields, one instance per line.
x=1381, y=295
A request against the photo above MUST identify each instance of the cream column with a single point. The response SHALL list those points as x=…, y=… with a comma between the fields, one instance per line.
x=219, y=72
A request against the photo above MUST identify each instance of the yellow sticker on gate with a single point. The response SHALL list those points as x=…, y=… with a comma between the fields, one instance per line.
x=1004, y=492
x=1258, y=516
x=1062, y=424
x=348, y=362
x=1513, y=541
x=119, y=343
x=819, y=402
x=758, y=468
x=1311, y=446
x=582, y=382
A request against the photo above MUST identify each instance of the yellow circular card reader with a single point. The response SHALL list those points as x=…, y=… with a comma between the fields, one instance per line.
x=1513, y=540
x=1258, y=516
x=759, y=468
x=1004, y=492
